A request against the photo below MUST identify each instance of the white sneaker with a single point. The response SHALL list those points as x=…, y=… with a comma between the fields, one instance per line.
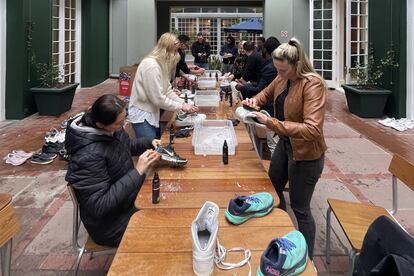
x=188, y=119
x=204, y=231
x=250, y=118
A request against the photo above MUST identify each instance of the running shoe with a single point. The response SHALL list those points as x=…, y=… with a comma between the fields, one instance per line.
x=204, y=231
x=287, y=255
x=170, y=157
x=242, y=208
x=186, y=119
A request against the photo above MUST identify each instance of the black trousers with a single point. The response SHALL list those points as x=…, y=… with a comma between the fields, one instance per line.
x=302, y=176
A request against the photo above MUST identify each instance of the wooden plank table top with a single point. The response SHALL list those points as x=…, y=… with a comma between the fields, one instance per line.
x=9, y=225
x=205, y=177
x=158, y=242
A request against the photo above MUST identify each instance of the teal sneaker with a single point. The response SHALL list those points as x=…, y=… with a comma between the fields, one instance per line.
x=242, y=208
x=287, y=255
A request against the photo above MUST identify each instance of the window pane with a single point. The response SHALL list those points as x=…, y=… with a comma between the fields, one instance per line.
x=67, y=24
x=317, y=4
x=317, y=24
x=67, y=35
x=67, y=12
x=55, y=11
x=73, y=35
x=327, y=34
x=317, y=34
x=317, y=54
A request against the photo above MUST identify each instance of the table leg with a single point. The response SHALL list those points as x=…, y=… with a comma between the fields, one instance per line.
x=6, y=258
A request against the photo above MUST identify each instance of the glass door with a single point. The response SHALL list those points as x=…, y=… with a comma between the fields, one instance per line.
x=323, y=31
x=356, y=42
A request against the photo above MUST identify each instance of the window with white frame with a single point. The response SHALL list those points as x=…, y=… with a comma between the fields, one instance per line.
x=64, y=46
x=212, y=21
x=357, y=35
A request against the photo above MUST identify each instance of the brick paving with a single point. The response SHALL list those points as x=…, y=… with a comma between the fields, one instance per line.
x=356, y=168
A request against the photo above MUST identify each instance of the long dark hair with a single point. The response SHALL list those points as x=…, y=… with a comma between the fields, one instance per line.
x=104, y=110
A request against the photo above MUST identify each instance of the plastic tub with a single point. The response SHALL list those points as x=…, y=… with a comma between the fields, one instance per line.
x=213, y=73
x=209, y=136
x=206, y=98
x=206, y=83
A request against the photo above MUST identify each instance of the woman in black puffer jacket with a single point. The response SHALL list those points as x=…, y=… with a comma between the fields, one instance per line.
x=102, y=171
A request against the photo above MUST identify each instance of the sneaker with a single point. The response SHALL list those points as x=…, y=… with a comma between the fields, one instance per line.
x=55, y=136
x=50, y=147
x=242, y=208
x=186, y=119
x=169, y=156
x=287, y=255
x=22, y=153
x=248, y=117
x=14, y=159
x=43, y=158
x=204, y=231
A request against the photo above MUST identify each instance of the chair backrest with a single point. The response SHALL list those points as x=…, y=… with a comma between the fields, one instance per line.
x=76, y=218
x=403, y=170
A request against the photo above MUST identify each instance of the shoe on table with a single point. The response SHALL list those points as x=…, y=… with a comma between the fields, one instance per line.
x=170, y=157
x=287, y=255
x=248, y=117
x=242, y=208
x=187, y=119
x=204, y=231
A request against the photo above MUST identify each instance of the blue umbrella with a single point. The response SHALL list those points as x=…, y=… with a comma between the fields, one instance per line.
x=253, y=25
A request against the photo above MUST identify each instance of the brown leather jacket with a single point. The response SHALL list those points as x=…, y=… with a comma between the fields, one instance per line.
x=304, y=115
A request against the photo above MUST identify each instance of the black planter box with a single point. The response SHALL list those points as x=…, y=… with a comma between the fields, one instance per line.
x=54, y=101
x=366, y=103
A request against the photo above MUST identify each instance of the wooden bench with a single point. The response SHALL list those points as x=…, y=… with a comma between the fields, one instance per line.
x=355, y=218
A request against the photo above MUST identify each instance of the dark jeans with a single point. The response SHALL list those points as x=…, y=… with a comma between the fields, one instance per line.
x=302, y=177
x=145, y=130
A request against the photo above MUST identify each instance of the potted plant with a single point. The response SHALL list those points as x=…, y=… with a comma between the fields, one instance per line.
x=365, y=98
x=53, y=96
x=214, y=63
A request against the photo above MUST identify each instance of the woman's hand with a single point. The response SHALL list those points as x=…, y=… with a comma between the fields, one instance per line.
x=189, y=108
x=155, y=143
x=261, y=117
x=250, y=102
x=145, y=160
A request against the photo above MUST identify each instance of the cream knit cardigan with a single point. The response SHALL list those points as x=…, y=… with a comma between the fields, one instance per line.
x=152, y=89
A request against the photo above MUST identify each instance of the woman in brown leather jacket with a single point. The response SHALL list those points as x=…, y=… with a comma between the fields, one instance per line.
x=299, y=96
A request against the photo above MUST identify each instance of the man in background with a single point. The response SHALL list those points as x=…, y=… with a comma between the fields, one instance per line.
x=201, y=51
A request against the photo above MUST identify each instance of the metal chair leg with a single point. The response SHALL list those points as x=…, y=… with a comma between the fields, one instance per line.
x=328, y=235
x=6, y=258
x=352, y=258
x=78, y=259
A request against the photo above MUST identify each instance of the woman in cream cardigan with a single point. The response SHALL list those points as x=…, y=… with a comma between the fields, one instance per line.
x=152, y=89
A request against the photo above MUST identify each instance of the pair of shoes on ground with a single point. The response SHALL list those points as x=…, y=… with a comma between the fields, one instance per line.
x=248, y=117
x=170, y=157
x=188, y=119
x=43, y=158
x=17, y=157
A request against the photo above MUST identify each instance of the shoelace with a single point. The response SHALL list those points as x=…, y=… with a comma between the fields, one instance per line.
x=221, y=256
x=286, y=244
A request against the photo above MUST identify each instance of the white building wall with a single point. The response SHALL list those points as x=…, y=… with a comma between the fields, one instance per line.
x=141, y=31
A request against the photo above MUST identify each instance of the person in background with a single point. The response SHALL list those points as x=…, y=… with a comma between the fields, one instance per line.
x=152, y=89
x=101, y=169
x=182, y=67
x=254, y=64
x=239, y=63
x=299, y=94
x=259, y=44
x=267, y=75
x=229, y=54
x=201, y=51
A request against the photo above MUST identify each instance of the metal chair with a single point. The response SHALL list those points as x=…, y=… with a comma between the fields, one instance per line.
x=89, y=246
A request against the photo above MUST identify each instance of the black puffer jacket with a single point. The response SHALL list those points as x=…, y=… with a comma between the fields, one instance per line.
x=104, y=177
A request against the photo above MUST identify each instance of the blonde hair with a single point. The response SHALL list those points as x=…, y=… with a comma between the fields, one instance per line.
x=165, y=52
x=294, y=54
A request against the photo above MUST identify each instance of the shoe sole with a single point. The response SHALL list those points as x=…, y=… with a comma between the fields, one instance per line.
x=42, y=162
x=240, y=219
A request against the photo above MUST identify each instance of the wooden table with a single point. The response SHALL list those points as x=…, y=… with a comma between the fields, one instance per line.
x=206, y=177
x=8, y=228
x=158, y=240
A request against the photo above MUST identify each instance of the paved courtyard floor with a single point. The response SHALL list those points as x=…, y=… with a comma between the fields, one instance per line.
x=356, y=168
